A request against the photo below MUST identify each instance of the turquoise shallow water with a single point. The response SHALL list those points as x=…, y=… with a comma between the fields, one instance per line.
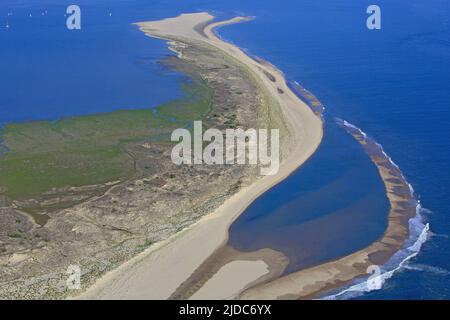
x=393, y=83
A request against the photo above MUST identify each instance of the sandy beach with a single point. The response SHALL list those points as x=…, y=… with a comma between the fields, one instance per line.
x=158, y=271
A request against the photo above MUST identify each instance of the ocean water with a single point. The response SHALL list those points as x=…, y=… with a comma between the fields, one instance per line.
x=393, y=83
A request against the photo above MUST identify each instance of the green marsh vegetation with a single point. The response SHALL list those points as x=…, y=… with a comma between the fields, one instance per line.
x=89, y=150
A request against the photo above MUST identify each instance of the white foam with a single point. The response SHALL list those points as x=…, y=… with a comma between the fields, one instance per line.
x=405, y=254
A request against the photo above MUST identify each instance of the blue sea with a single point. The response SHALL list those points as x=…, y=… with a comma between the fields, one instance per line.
x=393, y=83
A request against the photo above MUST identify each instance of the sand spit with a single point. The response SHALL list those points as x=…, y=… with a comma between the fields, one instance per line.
x=196, y=263
x=160, y=270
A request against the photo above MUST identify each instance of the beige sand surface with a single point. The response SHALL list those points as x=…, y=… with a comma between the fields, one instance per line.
x=237, y=274
x=157, y=272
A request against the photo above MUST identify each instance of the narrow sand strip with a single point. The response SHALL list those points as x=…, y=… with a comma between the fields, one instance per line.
x=158, y=271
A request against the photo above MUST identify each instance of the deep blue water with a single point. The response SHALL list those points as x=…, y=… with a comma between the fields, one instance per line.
x=393, y=83
x=48, y=72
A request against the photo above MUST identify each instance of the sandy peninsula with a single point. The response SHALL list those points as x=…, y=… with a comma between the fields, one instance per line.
x=161, y=269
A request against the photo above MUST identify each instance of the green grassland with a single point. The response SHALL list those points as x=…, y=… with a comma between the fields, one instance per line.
x=88, y=150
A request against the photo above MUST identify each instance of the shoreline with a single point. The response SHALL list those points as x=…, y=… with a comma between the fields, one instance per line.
x=158, y=271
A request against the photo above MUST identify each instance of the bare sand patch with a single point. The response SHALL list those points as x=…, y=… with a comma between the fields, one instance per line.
x=231, y=278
